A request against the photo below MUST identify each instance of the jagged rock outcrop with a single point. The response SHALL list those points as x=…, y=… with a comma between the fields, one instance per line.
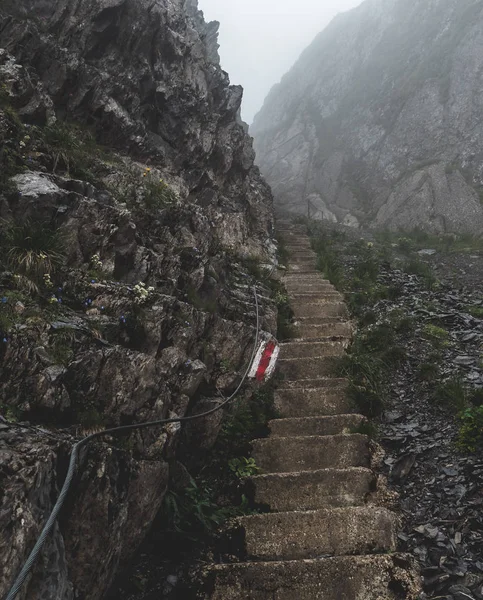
x=380, y=121
x=158, y=212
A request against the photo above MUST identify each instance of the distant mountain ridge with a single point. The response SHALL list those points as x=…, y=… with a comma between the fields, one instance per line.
x=380, y=121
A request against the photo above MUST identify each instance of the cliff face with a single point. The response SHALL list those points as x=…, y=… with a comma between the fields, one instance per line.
x=125, y=164
x=380, y=120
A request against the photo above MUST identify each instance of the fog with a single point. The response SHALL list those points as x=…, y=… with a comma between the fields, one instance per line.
x=261, y=39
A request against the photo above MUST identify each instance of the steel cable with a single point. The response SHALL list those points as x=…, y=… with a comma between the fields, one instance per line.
x=22, y=576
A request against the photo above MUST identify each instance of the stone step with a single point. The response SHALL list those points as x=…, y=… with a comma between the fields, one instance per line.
x=342, y=329
x=327, y=425
x=307, y=277
x=309, y=288
x=302, y=254
x=308, y=368
x=310, y=490
x=293, y=454
x=322, y=383
x=302, y=267
x=292, y=249
x=312, y=349
x=321, y=319
x=380, y=577
x=310, y=534
x=315, y=298
x=295, y=403
x=308, y=309
x=308, y=282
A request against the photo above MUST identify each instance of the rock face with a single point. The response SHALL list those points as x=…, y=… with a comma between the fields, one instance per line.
x=380, y=120
x=152, y=300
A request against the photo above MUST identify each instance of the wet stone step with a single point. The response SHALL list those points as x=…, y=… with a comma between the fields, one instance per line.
x=314, y=298
x=323, y=384
x=381, y=577
x=327, y=330
x=292, y=454
x=310, y=490
x=308, y=368
x=312, y=402
x=306, y=308
x=326, y=425
x=312, y=349
x=310, y=534
x=302, y=267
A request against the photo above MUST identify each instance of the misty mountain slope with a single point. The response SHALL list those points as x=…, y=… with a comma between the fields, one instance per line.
x=380, y=120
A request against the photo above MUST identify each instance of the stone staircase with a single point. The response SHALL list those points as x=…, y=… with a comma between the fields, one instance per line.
x=324, y=539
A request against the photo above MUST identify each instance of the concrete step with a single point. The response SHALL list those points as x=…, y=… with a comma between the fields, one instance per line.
x=302, y=267
x=321, y=319
x=380, y=577
x=302, y=254
x=327, y=425
x=303, y=308
x=315, y=298
x=310, y=534
x=310, y=490
x=308, y=368
x=312, y=402
x=312, y=349
x=307, y=277
x=322, y=383
x=293, y=454
x=342, y=329
x=294, y=246
x=309, y=288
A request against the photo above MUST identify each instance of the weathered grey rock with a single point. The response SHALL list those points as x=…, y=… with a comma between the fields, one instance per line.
x=146, y=78
x=380, y=120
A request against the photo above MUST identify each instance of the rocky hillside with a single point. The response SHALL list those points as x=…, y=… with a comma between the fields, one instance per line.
x=380, y=120
x=133, y=221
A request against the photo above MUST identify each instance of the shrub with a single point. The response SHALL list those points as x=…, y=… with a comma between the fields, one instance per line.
x=422, y=270
x=33, y=249
x=243, y=467
x=451, y=394
x=157, y=194
x=470, y=435
x=428, y=371
x=194, y=510
x=476, y=311
x=437, y=335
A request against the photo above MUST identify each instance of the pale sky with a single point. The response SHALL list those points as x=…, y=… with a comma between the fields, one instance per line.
x=261, y=39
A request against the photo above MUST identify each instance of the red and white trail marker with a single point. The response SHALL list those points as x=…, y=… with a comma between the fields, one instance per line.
x=265, y=360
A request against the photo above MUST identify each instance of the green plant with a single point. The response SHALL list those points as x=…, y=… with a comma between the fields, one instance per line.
x=476, y=311
x=327, y=260
x=367, y=428
x=73, y=149
x=32, y=249
x=428, y=371
x=194, y=511
x=422, y=270
x=226, y=366
x=282, y=251
x=11, y=413
x=437, y=335
x=470, y=435
x=90, y=418
x=248, y=420
x=61, y=345
x=365, y=371
x=243, y=467
x=157, y=194
x=451, y=394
